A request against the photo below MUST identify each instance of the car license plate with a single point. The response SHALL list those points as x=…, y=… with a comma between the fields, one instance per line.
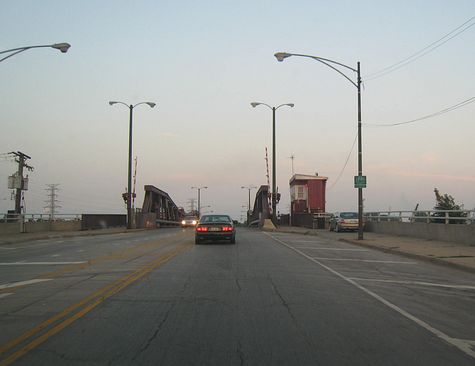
x=214, y=229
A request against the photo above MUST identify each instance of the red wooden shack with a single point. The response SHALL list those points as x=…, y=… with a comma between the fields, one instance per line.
x=307, y=193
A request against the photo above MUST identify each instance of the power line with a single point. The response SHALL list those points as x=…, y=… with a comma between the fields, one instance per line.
x=443, y=111
x=346, y=163
x=424, y=51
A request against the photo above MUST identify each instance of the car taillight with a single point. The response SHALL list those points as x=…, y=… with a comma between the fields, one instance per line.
x=227, y=228
x=342, y=221
x=202, y=228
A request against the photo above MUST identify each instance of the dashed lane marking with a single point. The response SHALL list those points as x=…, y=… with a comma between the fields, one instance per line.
x=23, y=283
x=420, y=283
x=5, y=294
x=39, y=263
x=336, y=249
x=463, y=345
x=361, y=260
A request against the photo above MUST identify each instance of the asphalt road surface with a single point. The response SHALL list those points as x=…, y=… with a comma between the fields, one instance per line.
x=155, y=298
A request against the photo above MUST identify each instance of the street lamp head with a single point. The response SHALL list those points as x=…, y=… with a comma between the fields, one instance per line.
x=281, y=55
x=151, y=104
x=291, y=105
x=63, y=47
x=254, y=104
x=112, y=102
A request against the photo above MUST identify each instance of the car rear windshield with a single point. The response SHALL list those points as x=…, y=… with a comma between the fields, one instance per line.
x=214, y=218
x=349, y=215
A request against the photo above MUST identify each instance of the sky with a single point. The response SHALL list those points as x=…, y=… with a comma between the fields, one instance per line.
x=203, y=63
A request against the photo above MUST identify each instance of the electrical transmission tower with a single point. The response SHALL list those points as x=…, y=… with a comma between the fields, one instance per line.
x=52, y=202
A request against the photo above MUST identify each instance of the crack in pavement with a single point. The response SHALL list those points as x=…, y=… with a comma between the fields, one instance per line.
x=289, y=311
x=155, y=334
x=240, y=353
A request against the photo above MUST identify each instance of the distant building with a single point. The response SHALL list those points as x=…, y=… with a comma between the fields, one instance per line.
x=307, y=194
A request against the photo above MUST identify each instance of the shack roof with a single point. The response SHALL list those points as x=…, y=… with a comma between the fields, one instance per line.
x=306, y=177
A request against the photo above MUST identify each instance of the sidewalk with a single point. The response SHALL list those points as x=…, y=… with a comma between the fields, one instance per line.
x=6, y=239
x=452, y=254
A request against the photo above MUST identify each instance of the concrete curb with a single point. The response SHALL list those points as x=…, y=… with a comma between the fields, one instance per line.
x=410, y=255
x=61, y=235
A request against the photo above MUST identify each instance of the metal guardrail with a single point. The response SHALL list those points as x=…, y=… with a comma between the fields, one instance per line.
x=39, y=217
x=424, y=216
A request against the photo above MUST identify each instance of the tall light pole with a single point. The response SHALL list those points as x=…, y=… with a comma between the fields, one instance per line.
x=199, y=198
x=360, y=180
x=129, y=165
x=63, y=47
x=274, y=193
x=249, y=200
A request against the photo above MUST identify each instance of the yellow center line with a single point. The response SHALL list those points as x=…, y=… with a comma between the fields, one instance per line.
x=89, y=303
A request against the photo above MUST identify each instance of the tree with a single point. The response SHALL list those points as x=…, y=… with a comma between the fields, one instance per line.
x=445, y=202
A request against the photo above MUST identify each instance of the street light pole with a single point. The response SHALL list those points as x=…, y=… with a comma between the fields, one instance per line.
x=248, y=201
x=274, y=183
x=129, y=165
x=199, y=198
x=280, y=56
x=274, y=174
x=63, y=47
x=360, y=158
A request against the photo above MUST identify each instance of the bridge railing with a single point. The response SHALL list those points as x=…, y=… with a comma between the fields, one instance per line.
x=35, y=217
x=424, y=216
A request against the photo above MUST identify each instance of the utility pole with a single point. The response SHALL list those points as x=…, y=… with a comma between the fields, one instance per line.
x=17, y=181
x=292, y=158
x=52, y=200
x=192, y=204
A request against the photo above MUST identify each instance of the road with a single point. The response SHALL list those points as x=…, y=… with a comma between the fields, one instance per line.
x=155, y=298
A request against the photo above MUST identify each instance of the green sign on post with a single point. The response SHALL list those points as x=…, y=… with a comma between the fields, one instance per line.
x=360, y=181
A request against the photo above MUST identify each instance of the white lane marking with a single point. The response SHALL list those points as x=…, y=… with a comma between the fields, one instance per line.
x=462, y=287
x=38, y=263
x=305, y=241
x=361, y=260
x=24, y=283
x=79, y=251
x=338, y=249
x=6, y=294
x=461, y=344
x=55, y=255
x=3, y=248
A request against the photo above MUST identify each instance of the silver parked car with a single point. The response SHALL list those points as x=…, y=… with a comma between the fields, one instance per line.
x=344, y=221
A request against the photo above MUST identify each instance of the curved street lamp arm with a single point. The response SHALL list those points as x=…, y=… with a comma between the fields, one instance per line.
x=338, y=71
x=260, y=103
x=285, y=104
x=13, y=54
x=63, y=47
x=149, y=103
x=115, y=102
x=325, y=59
x=21, y=49
x=283, y=55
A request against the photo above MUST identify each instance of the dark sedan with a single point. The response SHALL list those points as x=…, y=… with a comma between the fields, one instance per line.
x=215, y=227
